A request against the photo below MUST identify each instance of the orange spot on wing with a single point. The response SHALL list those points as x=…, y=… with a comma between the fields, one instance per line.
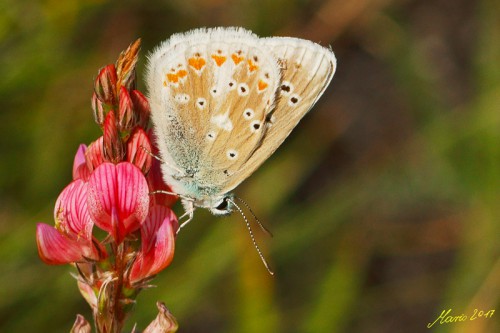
x=197, y=63
x=236, y=58
x=262, y=85
x=172, y=78
x=164, y=83
x=182, y=73
x=252, y=66
x=219, y=60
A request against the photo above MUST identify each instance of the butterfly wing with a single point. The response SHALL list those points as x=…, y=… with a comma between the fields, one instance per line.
x=210, y=92
x=307, y=69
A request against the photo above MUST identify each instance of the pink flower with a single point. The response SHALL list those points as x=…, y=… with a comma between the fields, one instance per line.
x=118, y=198
x=80, y=168
x=157, y=243
x=71, y=239
x=94, y=154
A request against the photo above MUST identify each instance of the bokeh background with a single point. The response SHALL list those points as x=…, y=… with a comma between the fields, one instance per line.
x=384, y=202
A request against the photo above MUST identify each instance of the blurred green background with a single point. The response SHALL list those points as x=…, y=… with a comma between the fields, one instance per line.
x=384, y=202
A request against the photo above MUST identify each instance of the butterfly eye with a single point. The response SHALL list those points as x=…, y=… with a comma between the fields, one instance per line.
x=223, y=205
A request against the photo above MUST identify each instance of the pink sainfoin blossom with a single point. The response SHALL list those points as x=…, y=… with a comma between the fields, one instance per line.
x=118, y=198
x=71, y=239
x=110, y=222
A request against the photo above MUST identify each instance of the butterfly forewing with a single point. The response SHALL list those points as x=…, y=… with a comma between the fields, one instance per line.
x=307, y=69
x=211, y=92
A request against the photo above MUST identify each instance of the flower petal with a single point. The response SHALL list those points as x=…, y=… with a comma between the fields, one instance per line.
x=158, y=243
x=95, y=154
x=118, y=198
x=55, y=248
x=71, y=213
x=80, y=169
x=89, y=294
x=81, y=325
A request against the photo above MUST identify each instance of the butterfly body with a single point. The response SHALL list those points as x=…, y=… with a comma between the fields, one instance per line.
x=222, y=102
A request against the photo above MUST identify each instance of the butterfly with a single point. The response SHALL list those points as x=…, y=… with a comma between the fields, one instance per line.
x=222, y=101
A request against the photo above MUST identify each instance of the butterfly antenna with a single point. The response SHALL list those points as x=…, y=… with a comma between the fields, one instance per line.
x=253, y=238
x=255, y=217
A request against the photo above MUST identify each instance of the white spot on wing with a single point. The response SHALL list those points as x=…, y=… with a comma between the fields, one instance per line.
x=222, y=121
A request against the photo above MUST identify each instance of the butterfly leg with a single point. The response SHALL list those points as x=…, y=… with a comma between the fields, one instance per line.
x=162, y=161
x=189, y=207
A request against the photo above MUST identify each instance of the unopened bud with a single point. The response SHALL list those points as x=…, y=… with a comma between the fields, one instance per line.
x=105, y=85
x=141, y=106
x=139, y=149
x=81, y=325
x=165, y=322
x=127, y=119
x=125, y=65
x=98, y=109
x=114, y=149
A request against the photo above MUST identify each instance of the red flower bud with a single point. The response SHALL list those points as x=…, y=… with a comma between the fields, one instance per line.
x=127, y=119
x=141, y=106
x=125, y=65
x=98, y=109
x=138, y=147
x=114, y=148
x=105, y=85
